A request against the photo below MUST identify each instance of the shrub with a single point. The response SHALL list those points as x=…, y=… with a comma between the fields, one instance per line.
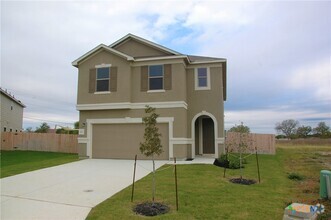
x=222, y=158
x=230, y=162
x=295, y=176
x=234, y=164
x=280, y=136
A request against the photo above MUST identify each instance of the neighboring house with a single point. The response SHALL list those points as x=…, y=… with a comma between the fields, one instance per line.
x=116, y=82
x=11, y=112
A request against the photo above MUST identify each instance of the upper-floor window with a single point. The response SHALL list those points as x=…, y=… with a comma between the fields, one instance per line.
x=202, y=78
x=103, y=79
x=155, y=77
x=102, y=84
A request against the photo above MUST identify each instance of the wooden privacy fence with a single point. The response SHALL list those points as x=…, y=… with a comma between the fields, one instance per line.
x=265, y=143
x=66, y=143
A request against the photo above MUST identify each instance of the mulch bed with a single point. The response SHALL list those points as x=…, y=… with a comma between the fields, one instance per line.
x=242, y=181
x=151, y=209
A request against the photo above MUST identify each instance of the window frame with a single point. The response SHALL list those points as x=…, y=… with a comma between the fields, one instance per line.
x=96, y=78
x=208, y=86
x=155, y=77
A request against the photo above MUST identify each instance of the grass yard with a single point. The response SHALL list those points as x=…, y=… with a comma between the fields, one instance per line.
x=205, y=194
x=16, y=162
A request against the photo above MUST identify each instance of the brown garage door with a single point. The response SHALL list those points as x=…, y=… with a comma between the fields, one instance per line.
x=121, y=141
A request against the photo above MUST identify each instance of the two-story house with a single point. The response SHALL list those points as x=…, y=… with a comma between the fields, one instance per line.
x=116, y=82
x=11, y=112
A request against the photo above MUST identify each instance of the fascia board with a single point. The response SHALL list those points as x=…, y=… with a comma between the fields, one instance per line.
x=204, y=62
x=101, y=46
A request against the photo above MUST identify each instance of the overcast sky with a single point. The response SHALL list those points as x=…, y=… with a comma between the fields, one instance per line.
x=278, y=52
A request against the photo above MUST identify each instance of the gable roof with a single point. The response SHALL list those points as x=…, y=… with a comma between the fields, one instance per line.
x=8, y=95
x=99, y=47
x=144, y=41
x=191, y=59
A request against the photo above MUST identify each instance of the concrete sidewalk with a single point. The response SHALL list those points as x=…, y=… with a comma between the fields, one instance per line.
x=67, y=191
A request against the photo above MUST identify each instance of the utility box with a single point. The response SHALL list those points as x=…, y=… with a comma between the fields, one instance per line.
x=297, y=211
x=325, y=184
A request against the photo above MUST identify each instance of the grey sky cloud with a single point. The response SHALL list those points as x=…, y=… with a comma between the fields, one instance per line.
x=268, y=46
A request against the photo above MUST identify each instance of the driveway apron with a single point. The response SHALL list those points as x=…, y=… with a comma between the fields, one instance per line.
x=67, y=191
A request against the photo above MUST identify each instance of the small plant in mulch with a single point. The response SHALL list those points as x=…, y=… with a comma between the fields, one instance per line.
x=151, y=209
x=242, y=181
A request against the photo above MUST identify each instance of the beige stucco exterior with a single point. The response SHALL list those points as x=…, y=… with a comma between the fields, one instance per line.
x=179, y=107
x=11, y=113
x=136, y=49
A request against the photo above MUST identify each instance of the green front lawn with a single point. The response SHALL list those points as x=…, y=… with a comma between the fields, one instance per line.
x=205, y=194
x=16, y=162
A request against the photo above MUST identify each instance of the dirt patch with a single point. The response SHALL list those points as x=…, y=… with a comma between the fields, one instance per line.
x=323, y=157
x=242, y=181
x=151, y=209
x=324, y=153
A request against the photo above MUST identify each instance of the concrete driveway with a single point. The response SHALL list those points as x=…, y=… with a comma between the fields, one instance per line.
x=67, y=191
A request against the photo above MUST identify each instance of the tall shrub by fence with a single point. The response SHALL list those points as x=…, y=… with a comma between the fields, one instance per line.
x=265, y=143
x=66, y=143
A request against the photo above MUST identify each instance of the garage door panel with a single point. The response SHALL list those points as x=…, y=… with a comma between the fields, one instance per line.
x=121, y=141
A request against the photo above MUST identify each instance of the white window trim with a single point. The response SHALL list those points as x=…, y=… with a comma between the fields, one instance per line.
x=102, y=65
x=100, y=93
x=197, y=87
x=157, y=90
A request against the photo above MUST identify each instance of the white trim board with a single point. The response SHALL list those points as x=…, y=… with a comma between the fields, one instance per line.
x=129, y=105
x=82, y=140
x=181, y=140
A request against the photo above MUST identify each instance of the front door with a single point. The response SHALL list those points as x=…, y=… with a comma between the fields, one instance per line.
x=208, y=135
